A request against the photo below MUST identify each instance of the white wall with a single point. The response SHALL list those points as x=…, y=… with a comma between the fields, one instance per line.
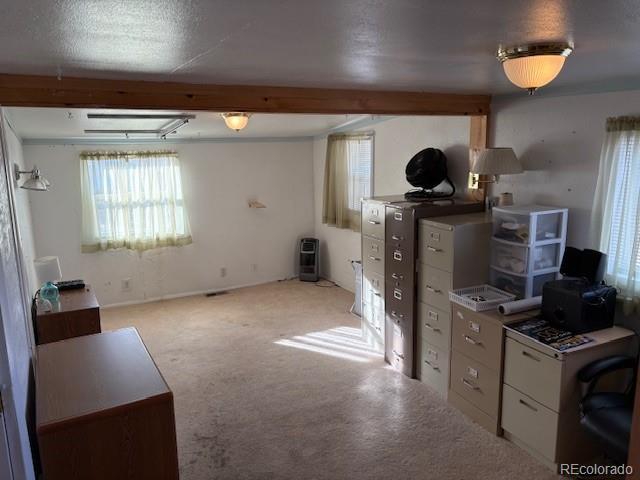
x=558, y=140
x=23, y=208
x=396, y=141
x=254, y=245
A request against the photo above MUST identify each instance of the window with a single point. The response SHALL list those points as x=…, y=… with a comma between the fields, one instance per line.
x=360, y=156
x=616, y=212
x=348, y=178
x=132, y=200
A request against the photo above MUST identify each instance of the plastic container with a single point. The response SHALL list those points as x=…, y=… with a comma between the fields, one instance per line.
x=529, y=224
x=522, y=286
x=509, y=257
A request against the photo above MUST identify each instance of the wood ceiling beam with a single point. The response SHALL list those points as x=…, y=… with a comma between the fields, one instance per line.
x=41, y=91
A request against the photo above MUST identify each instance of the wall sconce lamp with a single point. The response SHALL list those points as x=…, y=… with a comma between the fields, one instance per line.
x=35, y=181
x=491, y=163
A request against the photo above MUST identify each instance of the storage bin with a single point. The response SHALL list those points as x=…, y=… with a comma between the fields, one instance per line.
x=529, y=224
x=509, y=257
x=521, y=286
x=546, y=257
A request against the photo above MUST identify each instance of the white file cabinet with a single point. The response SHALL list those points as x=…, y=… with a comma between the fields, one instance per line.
x=541, y=394
x=453, y=253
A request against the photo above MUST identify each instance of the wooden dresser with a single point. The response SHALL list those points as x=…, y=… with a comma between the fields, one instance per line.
x=103, y=410
x=453, y=253
x=78, y=314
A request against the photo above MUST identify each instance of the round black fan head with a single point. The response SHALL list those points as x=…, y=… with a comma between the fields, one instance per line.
x=427, y=169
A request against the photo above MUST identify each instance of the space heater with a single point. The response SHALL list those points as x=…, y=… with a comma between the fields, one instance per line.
x=309, y=261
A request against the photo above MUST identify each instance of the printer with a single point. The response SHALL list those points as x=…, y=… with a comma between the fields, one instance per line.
x=580, y=302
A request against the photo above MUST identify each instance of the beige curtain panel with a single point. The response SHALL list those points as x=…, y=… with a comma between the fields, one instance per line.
x=132, y=200
x=336, y=208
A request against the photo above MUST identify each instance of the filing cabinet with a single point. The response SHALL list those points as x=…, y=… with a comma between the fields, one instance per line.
x=476, y=363
x=373, y=259
x=541, y=394
x=403, y=286
x=453, y=253
x=389, y=253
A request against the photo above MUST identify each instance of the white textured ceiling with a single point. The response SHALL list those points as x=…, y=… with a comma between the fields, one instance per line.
x=434, y=45
x=69, y=124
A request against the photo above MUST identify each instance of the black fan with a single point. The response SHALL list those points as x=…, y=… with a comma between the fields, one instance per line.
x=426, y=170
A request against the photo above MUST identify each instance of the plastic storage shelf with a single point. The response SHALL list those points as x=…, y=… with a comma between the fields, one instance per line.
x=527, y=247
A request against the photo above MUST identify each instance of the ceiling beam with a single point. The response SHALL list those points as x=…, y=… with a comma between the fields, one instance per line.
x=67, y=92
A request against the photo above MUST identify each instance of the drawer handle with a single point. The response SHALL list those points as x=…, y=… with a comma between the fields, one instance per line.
x=400, y=356
x=532, y=357
x=436, y=368
x=397, y=276
x=433, y=290
x=471, y=340
x=397, y=237
x=377, y=328
x=429, y=327
x=433, y=249
x=375, y=259
x=396, y=314
x=468, y=384
x=522, y=402
x=374, y=222
x=377, y=294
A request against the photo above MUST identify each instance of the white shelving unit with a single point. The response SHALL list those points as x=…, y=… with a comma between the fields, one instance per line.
x=527, y=247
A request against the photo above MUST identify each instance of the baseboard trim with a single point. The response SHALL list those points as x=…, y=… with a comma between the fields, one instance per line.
x=192, y=293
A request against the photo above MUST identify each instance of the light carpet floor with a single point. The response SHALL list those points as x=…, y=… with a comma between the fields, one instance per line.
x=273, y=382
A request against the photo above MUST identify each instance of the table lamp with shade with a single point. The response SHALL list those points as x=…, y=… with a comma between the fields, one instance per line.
x=48, y=272
x=493, y=162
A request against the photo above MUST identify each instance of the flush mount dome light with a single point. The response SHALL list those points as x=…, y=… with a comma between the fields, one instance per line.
x=533, y=66
x=236, y=120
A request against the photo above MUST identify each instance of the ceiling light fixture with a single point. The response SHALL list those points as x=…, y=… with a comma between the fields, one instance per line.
x=34, y=182
x=533, y=66
x=236, y=120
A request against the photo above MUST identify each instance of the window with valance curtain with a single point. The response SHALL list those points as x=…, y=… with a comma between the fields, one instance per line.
x=616, y=211
x=132, y=200
x=347, y=178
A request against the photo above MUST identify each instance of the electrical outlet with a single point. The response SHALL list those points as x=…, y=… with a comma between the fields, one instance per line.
x=473, y=182
x=223, y=272
x=126, y=284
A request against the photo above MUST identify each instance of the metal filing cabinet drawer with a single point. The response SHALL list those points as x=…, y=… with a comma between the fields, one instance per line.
x=476, y=337
x=434, y=286
x=373, y=288
x=436, y=247
x=373, y=255
x=434, y=325
x=533, y=373
x=530, y=422
x=401, y=351
x=433, y=367
x=373, y=219
x=477, y=383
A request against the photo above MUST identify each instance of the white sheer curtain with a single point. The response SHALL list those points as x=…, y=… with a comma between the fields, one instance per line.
x=347, y=178
x=132, y=200
x=616, y=210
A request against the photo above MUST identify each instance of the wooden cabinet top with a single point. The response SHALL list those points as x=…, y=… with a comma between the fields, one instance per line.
x=72, y=300
x=90, y=375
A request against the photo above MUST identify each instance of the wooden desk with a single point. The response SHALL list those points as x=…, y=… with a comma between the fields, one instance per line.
x=103, y=410
x=78, y=314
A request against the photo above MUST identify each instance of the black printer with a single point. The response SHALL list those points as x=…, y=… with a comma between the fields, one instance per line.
x=580, y=302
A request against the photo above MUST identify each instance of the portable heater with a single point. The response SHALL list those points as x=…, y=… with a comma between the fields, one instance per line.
x=309, y=259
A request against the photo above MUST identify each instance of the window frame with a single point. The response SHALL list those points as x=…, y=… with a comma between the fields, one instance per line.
x=371, y=139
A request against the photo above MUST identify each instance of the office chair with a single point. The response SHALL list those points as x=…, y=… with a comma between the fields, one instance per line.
x=607, y=415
